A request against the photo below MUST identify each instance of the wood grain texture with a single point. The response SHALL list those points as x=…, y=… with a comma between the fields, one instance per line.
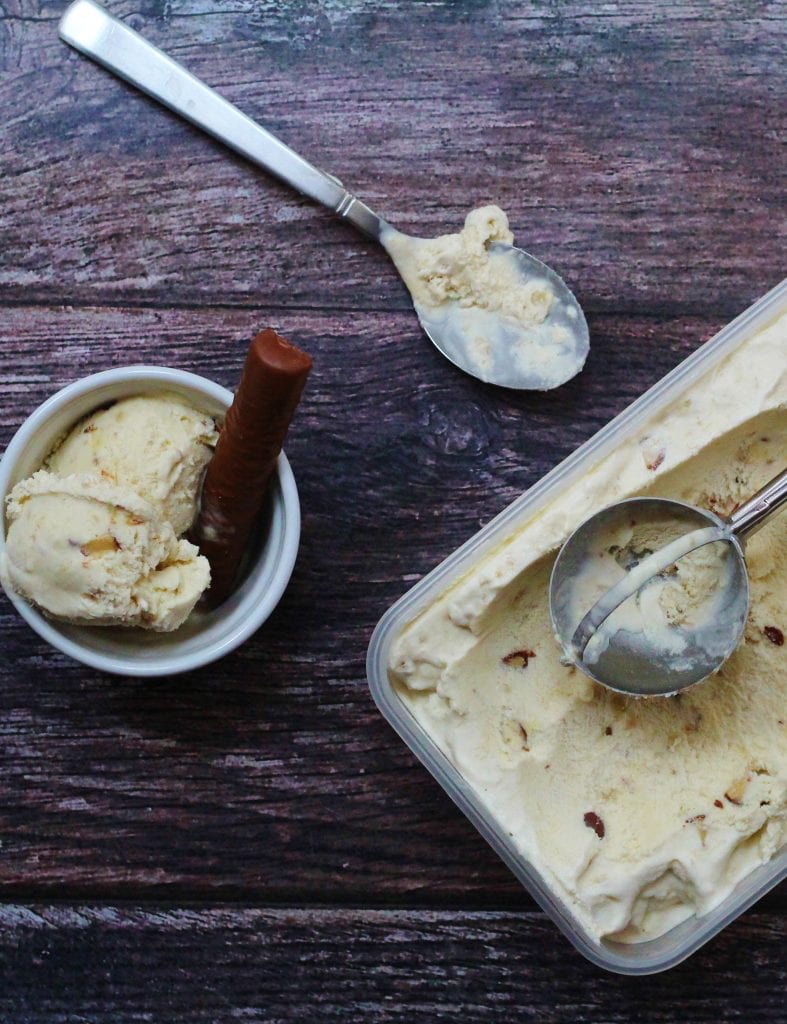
x=310, y=866
x=118, y=965
x=271, y=774
x=636, y=147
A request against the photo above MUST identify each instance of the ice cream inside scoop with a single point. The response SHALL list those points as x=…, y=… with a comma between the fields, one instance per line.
x=92, y=552
x=674, y=613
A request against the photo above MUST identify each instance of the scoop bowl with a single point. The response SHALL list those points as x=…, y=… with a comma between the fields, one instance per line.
x=634, y=661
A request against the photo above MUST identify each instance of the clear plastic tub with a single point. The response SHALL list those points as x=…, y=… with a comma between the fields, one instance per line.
x=675, y=945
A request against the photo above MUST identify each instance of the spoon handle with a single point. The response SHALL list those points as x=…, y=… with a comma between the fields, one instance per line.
x=90, y=29
x=755, y=512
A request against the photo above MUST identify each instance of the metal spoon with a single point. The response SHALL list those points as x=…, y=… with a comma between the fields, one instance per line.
x=636, y=660
x=90, y=29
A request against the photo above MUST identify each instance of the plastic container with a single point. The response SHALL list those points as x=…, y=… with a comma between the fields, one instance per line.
x=680, y=942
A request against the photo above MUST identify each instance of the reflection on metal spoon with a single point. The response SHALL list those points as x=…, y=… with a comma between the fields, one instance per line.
x=492, y=309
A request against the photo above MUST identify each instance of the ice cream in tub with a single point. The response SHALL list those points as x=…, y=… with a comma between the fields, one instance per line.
x=642, y=827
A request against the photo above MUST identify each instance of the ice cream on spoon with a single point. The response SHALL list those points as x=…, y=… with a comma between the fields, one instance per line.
x=493, y=310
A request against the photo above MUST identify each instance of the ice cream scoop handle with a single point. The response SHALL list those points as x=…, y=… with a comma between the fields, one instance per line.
x=90, y=29
x=755, y=512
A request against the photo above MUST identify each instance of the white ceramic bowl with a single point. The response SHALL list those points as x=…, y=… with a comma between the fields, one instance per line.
x=205, y=636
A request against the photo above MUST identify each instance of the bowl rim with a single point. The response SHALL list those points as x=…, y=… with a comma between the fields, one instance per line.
x=247, y=616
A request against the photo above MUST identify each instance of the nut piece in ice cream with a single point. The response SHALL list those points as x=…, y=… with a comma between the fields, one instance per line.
x=93, y=552
x=157, y=445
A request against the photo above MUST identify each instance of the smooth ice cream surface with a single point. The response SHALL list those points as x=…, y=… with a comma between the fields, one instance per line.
x=158, y=445
x=637, y=812
x=94, y=553
x=472, y=291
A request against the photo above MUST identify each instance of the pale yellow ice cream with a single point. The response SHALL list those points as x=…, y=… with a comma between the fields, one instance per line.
x=156, y=444
x=93, y=536
x=639, y=813
x=460, y=268
x=94, y=552
x=490, y=318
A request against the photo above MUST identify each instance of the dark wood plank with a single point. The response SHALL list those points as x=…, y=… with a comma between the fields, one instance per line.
x=130, y=964
x=271, y=773
x=637, y=148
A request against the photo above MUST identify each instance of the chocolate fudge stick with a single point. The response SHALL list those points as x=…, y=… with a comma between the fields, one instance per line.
x=249, y=444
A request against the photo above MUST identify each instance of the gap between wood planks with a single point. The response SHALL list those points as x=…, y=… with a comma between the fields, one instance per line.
x=773, y=903
x=620, y=311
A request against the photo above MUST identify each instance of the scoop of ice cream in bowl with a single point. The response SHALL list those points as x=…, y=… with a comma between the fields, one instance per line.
x=101, y=488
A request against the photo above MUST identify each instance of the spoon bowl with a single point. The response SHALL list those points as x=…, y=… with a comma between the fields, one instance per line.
x=610, y=602
x=501, y=351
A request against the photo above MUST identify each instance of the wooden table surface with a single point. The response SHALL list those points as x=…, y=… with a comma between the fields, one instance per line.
x=251, y=841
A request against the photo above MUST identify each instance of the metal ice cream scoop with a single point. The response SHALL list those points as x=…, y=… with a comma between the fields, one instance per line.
x=90, y=29
x=643, y=652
